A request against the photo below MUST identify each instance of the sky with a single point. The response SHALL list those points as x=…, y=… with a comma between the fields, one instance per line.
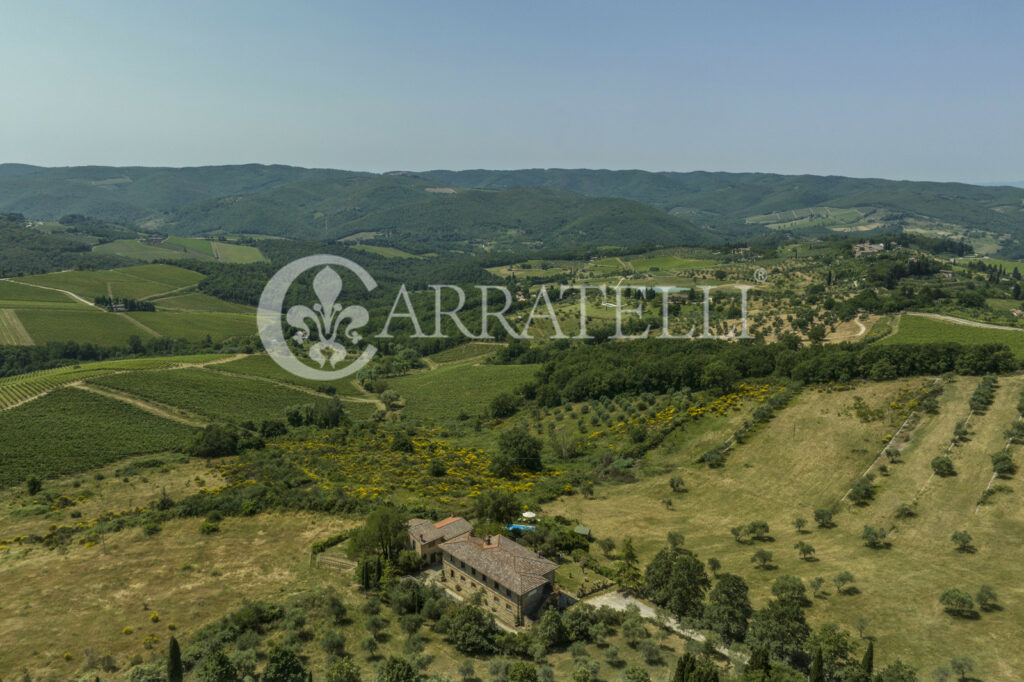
x=909, y=90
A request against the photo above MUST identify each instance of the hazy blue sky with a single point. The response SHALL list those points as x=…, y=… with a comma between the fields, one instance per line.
x=920, y=90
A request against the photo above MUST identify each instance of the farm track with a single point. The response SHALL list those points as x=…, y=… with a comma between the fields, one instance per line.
x=138, y=324
x=172, y=292
x=72, y=294
x=12, y=331
x=295, y=387
x=30, y=392
x=157, y=409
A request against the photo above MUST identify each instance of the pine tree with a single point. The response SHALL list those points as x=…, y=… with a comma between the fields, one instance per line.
x=175, y=672
x=869, y=659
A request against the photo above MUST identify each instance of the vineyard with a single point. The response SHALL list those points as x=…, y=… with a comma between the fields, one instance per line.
x=215, y=395
x=22, y=387
x=262, y=365
x=71, y=430
x=140, y=281
x=197, y=326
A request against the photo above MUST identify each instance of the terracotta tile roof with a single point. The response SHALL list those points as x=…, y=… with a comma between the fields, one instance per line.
x=426, y=531
x=502, y=560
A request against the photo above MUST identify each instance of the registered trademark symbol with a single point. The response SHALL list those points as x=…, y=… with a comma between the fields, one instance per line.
x=761, y=275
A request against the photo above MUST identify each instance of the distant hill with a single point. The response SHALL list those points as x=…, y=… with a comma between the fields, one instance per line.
x=728, y=199
x=130, y=194
x=474, y=209
x=404, y=209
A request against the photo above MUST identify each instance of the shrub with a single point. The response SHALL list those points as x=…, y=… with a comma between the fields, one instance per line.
x=943, y=466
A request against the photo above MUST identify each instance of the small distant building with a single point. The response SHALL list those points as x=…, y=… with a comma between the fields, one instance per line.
x=425, y=537
x=867, y=249
x=947, y=274
x=515, y=581
x=582, y=530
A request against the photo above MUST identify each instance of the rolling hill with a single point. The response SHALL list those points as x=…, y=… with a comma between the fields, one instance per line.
x=726, y=199
x=473, y=209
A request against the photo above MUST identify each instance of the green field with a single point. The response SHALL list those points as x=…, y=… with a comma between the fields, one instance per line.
x=197, y=326
x=817, y=216
x=214, y=395
x=1002, y=305
x=139, y=281
x=13, y=294
x=669, y=263
x=200, y=303
x=237, y=253
x=202, y=246
x=262, y=366
x=80, y=325
x=72, y=430
x=914, y=329
x=459, y=387
x=388, y=251
x=467, y=351
x=133, y=248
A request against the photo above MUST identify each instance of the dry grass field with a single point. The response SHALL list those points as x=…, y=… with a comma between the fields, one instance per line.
x=805, y=459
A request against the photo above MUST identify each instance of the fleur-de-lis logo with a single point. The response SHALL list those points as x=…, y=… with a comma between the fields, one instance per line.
x=325, y=325
x=327, y=316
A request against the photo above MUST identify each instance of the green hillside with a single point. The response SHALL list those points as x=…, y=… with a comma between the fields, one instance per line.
x=735, y=195
x=459, y=210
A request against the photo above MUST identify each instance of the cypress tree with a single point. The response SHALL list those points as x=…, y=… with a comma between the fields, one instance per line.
x=869, y=659
x=686, y=666
x=759, y=661
x=817, y=672
x=175, y=672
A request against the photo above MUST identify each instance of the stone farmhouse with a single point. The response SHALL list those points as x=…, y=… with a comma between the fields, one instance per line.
x=515, y=581
x=425, y=537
